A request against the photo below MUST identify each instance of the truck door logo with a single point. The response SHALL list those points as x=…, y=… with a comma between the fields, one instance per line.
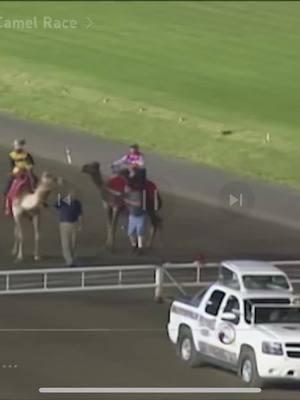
x=226, y=333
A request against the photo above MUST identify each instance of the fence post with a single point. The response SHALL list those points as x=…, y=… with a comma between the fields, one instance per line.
x=199, y=266
x=159, y=283
x=45, y=281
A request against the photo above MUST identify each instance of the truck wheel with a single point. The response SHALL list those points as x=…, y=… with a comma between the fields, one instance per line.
x=248, y=369
x=186, y=349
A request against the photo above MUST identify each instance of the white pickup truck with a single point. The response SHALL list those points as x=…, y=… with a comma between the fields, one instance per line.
x=249, y=322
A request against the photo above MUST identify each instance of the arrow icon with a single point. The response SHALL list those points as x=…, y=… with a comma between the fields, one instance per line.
x=90, y=23
x=67, y=199
x=233, y=200
x=237, y=196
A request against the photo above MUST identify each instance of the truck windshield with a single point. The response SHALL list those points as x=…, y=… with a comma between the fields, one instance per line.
x=277, y=315
x=266, y=282
x=249, y=304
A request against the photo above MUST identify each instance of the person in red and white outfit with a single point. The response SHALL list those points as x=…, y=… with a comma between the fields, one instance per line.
x=133, y=159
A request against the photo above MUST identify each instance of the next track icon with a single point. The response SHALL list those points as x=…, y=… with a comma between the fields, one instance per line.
x=237, y=196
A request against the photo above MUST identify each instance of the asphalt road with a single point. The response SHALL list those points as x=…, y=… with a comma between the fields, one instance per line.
x=190, y=229
x=130, y=347
x=194, y=181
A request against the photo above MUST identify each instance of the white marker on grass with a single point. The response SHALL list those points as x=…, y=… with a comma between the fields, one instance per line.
x=68, y=155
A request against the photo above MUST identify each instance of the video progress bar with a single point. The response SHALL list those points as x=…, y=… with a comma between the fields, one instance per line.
x=146, y=390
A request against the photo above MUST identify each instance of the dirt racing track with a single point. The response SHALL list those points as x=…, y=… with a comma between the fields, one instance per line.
x=190, y=229
x=118, y=338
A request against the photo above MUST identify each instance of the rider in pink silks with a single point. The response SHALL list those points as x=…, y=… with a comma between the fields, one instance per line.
x=22, y=178
x=134, y=159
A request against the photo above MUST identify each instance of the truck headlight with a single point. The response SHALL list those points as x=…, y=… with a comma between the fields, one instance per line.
x=273, y=348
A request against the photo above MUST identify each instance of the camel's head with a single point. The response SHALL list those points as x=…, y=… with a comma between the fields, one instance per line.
x=48, y=181
x=91, y=168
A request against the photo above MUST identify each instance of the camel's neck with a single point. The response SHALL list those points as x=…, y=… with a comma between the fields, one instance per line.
x=97, y=180
x=106, y=196
x=33, y=201
x=41, y=194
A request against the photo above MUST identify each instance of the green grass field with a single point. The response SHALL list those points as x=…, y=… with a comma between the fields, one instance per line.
x=174, y=75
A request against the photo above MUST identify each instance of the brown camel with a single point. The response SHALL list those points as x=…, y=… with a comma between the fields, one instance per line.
x=112, y=194
x=28, y=203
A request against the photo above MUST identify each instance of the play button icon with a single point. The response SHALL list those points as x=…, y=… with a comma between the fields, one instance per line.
x=233, y=200
x=237, y=196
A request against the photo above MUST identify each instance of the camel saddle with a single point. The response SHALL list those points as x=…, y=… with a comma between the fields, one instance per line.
x=22, y=183
x=116, y=187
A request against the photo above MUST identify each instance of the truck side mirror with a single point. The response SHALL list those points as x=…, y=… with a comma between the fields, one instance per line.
x=229, y=316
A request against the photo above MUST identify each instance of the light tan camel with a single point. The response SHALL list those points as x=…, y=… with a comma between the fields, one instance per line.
x=30, y=205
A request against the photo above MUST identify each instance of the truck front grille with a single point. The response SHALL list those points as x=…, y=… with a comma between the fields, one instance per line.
x=293, y=354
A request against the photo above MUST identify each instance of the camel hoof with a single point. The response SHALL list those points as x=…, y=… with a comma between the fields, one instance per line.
x=37, y=258
x=18, y=260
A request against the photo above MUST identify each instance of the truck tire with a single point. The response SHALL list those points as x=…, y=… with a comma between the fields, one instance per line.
x=186, y=349
x=248, y=369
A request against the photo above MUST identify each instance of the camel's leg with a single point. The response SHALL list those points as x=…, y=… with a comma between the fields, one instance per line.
x=36, y=232
x=152, y=234
x=20, y=238
x=16, y=242
x=114, y=223
x=152, y=231
x=112, y=226
x=154, y=226
x=109, y=213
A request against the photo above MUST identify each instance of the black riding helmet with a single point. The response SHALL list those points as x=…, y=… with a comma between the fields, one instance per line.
x=138, y=180
x=135, y=146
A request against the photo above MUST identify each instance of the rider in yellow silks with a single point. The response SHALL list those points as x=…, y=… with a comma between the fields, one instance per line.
x=19, y=159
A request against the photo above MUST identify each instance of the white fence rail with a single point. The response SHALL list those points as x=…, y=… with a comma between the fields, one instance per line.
x=157, y=277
